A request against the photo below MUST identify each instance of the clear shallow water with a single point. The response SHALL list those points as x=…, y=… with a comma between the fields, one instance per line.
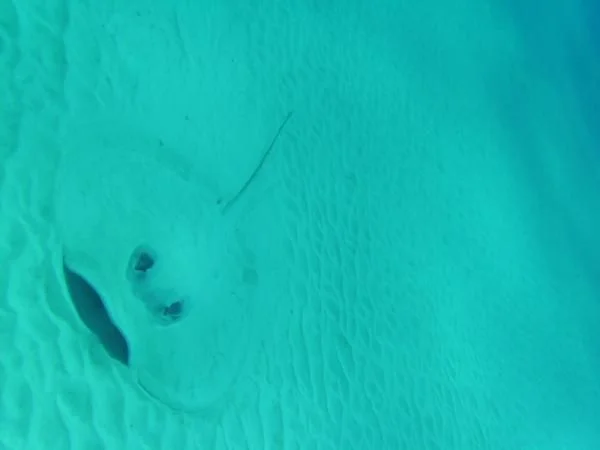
x=422, y=245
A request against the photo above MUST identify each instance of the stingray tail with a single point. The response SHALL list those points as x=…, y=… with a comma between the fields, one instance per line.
x=259, y=165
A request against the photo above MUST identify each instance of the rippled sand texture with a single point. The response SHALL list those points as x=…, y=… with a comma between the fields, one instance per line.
x=422, y=247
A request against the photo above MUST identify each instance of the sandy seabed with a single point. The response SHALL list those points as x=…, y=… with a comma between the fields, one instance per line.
x=423, y=242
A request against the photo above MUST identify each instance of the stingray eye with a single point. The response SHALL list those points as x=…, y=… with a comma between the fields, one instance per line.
x=171, y=313
x=174, y=310
x=142, y=259
x=144, y=262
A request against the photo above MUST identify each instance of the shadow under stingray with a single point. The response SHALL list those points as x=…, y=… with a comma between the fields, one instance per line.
x=92, y=312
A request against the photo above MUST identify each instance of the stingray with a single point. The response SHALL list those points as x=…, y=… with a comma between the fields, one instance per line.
x=157, y=264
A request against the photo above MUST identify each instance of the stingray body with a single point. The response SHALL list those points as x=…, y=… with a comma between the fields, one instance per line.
x=165, y=254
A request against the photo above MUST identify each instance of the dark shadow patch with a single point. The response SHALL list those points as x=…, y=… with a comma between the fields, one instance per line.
x=92, y=312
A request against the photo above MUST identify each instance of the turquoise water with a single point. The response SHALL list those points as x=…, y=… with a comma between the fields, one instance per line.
x=415, y=265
